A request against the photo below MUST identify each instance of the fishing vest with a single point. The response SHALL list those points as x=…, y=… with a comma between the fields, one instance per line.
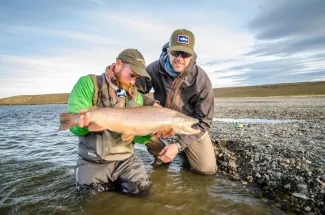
x=104, y=146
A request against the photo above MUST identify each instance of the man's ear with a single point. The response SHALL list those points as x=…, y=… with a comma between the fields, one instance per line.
x=168, y=52
x=118, y=63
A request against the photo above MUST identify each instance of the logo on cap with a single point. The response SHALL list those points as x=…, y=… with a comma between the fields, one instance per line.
x=183, y=39
x=141, y=60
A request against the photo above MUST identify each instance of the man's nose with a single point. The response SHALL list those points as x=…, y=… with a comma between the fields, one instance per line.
x=179, y=57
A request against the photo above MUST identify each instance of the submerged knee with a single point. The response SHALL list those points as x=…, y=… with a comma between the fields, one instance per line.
x=136, y=188
x=210, y=169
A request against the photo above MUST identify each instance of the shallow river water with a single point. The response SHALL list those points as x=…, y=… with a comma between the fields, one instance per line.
x=37, y=176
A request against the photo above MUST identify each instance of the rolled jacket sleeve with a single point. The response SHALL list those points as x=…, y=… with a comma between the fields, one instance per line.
x=204, y=110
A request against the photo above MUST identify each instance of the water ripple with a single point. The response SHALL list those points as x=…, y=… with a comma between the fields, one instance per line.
x=37, y=175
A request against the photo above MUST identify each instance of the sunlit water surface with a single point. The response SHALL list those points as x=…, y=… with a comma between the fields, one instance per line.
x=37, y=176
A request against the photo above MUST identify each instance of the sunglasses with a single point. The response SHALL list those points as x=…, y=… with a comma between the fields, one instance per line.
x=177, y=53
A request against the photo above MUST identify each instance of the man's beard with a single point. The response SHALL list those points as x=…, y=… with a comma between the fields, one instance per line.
x=125, y=86
x=128, y=87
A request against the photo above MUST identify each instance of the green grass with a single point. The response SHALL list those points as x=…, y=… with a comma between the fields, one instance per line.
x=271, y=90
x=287, y=89
x=36, y=99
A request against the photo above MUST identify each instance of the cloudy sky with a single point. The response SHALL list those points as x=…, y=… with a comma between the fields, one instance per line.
x=45, y=46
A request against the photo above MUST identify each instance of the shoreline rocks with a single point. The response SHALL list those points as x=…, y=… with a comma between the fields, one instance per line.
x=286, y=161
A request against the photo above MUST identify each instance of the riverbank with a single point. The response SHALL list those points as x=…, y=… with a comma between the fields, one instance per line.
x=61, y=98
x=285, y=160
x=306, y=89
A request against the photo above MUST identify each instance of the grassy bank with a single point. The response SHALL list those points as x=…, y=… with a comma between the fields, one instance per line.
x=288, y=89
x=61, y=98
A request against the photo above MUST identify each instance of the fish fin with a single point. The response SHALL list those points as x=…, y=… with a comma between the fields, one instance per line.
x=127, y=137
x=93, y=126
x=68, y=120
x=167, y=132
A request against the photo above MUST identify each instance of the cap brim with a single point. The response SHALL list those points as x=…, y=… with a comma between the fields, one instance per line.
x=182, y=48
x=140, y=71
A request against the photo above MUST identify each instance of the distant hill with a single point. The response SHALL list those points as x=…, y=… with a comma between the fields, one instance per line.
x=287, y=89
x=61, y=98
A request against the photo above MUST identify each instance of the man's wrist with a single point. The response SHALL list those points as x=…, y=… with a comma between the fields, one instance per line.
x=179, y=147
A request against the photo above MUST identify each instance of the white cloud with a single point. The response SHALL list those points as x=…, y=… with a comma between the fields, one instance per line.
x=31, y=75
x=227, y=82
x=108, y=33
x=94, y=39
x=219, y=43
x=213, y=41
x=322, y=78
x=64, y=64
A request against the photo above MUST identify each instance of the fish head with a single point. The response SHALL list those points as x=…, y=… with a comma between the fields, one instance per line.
x=182, y=124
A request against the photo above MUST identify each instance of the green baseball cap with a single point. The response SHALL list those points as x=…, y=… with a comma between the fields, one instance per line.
x=182, y=40
x=135, y=59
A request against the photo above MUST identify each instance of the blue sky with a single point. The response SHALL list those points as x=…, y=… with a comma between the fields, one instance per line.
x=45, y=46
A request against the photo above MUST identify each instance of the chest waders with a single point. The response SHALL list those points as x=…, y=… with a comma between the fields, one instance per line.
x=106, y=145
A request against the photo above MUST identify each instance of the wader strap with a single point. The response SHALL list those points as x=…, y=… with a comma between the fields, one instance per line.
x=98, y=83
x=95, y=96
x=105, y=95
x=111, y=92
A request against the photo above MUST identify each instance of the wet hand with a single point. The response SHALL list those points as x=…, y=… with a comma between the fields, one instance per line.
x=168, y=153
x=84, y=119
x=161, y=133
x=156, y=105
x=158, y=134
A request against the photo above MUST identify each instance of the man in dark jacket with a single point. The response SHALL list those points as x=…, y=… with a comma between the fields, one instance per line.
x=182, y=85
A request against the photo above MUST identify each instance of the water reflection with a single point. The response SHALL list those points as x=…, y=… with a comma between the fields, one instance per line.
x=37, y=176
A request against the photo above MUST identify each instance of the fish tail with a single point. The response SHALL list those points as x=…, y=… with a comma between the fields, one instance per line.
x=68, y=120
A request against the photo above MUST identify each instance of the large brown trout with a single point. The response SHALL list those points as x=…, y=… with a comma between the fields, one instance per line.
x=134, y=121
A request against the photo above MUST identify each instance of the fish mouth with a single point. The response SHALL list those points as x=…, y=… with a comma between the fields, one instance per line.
x=184, y=126
x=190, y=130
